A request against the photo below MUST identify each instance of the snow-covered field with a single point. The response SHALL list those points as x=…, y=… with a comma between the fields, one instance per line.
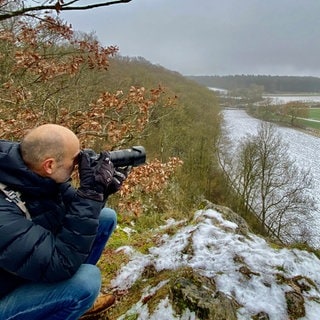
x=281, y=99
x=303, y=148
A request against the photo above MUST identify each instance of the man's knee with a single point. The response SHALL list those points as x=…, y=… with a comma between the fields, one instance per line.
x=88, y=281
x=108, y=214
x=108, y=219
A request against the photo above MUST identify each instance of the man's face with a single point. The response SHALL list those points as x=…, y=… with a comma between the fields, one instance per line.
x=65, y=167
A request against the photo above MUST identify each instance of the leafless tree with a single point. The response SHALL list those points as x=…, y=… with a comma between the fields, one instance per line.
x=270, y=184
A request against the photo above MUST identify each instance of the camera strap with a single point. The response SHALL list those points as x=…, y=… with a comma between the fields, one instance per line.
x=14, y=196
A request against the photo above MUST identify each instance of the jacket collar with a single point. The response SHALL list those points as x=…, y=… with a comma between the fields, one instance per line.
x=15, y=174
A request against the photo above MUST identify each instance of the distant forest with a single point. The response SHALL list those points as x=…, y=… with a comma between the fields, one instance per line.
x=270, y=84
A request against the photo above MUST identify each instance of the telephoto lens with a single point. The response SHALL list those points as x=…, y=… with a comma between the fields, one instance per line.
x=134, y=157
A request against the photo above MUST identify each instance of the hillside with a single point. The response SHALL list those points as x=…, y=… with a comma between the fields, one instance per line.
x=271, y=84
x=211, y=267
x=187, y=130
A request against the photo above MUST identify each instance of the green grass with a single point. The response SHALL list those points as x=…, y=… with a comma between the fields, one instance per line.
x=310, y=124
x=314, y=113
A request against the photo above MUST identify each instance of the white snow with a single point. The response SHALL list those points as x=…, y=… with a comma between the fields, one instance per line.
x=282, y=99
x=219, y=90
x=304, y=149
x=218, y=253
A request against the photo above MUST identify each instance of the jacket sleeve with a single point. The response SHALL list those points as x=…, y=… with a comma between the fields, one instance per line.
x=35, y=253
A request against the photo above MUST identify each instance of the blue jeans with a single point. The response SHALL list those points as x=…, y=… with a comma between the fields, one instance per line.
x=65, y=300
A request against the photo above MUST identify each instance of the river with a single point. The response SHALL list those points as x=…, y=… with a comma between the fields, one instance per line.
x=303, y=148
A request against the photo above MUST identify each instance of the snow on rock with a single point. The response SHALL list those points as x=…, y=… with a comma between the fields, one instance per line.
x=260, y=278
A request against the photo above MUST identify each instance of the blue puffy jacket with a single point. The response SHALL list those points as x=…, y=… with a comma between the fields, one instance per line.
x=57, y=240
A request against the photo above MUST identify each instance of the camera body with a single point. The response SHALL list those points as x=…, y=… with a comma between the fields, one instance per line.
x=133, y=157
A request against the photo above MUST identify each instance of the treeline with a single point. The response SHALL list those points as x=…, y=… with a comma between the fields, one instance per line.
x=271, y=84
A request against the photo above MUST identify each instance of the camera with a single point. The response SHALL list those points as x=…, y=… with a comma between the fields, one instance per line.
x=134, y=156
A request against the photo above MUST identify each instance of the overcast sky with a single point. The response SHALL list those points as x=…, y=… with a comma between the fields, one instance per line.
x=212, y=37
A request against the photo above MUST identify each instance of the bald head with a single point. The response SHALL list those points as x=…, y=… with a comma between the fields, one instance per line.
x=49, y=141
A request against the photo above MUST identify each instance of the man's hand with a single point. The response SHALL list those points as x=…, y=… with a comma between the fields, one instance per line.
x=109, y=177
x=119, y=175
x=98, y=177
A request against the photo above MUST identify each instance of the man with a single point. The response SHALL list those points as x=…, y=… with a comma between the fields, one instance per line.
x=47, y=260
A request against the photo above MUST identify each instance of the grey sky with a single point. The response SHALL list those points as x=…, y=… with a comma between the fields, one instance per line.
x=209, y=37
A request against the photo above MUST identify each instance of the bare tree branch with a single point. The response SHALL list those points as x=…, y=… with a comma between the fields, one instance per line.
x=58, y=6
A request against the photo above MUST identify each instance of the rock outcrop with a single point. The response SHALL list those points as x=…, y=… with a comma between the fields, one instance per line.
x=214, y=268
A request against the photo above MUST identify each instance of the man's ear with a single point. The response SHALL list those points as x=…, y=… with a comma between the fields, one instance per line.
x=48, y=166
